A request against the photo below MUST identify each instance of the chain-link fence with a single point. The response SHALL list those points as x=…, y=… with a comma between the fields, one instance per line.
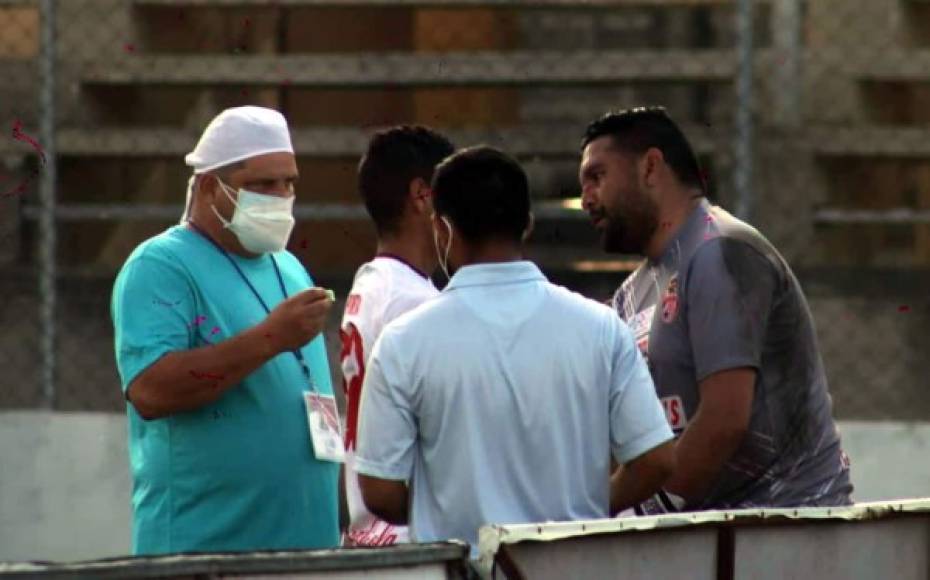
x=808, y=116
x=19, y=310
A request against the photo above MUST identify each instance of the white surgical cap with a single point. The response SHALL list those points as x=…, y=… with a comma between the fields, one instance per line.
x=235, y=135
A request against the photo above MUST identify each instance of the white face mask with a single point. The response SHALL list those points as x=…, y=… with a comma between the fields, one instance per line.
x=443, y=256
x=263, y=223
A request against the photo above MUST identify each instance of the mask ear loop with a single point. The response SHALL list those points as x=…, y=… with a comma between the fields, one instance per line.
x=189, y=200
x=216, y=212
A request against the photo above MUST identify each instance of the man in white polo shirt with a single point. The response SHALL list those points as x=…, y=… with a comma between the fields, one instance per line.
x=394, y=182
x=503, y=399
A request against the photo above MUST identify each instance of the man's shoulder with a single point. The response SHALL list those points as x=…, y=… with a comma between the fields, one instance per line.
x=380, y=284
x=429, y=317
x=371, y=276
x=574, y=303
x=368, y=294
x=731, y=235
x=734, y=253
x=382, y=271
x=168, y=248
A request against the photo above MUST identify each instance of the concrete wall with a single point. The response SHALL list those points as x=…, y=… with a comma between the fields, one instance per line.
x=64, y=486
x=64, y=481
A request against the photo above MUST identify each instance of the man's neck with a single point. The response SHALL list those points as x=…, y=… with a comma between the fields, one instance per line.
x=419, y=253
x=492, y=253
x=671, y=218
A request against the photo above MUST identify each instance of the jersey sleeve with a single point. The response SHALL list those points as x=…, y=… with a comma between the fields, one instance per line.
x=637, y=421
x=153, y=311
x=730, y=289
x=361, y=324
x=387, y=425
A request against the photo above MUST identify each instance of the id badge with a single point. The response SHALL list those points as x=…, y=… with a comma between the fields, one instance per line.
x=325, y=432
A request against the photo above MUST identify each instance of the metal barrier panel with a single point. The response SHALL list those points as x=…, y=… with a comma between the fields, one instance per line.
x=889, y=548
x=865, y=541
x=675, y=554
x=438, y=561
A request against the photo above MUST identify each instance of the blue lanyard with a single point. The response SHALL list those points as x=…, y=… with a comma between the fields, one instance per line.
x=296, y=352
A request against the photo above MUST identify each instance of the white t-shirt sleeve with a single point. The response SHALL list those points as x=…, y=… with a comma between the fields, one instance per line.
x=387, y=426
x=637, y=421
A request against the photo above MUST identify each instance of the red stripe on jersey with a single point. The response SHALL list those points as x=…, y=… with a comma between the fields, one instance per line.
x=352, y=346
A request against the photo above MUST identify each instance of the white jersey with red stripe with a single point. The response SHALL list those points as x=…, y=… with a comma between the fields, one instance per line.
x=383, y=289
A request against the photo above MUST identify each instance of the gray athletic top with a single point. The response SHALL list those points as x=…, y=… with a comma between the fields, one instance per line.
x=722, y=297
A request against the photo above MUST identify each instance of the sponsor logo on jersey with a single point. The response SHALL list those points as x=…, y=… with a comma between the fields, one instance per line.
x=640, y=325
x=675, y=413
x=353, y=303
x=670, y=301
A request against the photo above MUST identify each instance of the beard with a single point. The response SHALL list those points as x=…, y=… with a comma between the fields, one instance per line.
x=629, y=228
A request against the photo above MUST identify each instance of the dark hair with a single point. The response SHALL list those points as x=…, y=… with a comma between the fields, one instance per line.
x=485, y=193
x=636, y=130
x=394, y=158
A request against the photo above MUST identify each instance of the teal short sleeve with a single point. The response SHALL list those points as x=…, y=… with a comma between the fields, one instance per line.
x=153, y=310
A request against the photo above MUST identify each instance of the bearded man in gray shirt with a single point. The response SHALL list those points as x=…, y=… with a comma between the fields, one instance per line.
x=723, y=322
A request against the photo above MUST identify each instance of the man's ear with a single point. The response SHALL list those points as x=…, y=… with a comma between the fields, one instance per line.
x=420, y=195
x=207, y=186
x=650, y=164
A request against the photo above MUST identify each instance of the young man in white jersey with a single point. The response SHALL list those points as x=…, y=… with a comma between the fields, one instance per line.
x=394, y=182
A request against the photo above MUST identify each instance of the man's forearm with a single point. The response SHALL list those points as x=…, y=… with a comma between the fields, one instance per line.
x=642, y=477
x=395, y=515
x=703, y=450
x=186, y=380
x=627, y=490
x=386, y=498
x=715, y=433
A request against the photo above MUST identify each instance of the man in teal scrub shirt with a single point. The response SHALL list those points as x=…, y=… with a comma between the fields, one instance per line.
x=217, y=340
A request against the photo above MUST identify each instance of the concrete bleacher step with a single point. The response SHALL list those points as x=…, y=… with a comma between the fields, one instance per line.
x=526, y=140
x=479, y=68
x=436, y=3
x=418, y=69
x=869, y=141
x=897, y=216
x=554, y=210
x=908, y=65
x=544, y=140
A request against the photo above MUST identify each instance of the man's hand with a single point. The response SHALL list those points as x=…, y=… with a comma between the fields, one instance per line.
x=298, y=320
